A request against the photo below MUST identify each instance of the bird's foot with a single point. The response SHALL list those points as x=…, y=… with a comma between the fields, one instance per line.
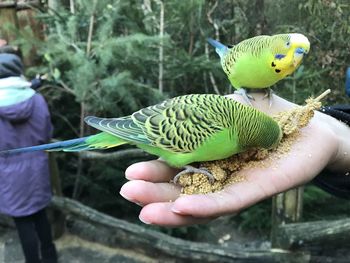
x=191, y=169
x=268, y=95
x=247, y=98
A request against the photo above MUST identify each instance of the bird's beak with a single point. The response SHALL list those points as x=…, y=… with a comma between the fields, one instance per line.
x=301, y=51
x=299, y=54
x=296, y=62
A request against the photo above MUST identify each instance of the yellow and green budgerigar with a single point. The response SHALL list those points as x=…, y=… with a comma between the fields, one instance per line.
x=181, y=131
x=261, y=61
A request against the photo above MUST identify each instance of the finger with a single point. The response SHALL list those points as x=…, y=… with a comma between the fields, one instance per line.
x=143, y=192
x=153, y=171
x=161, y=214
x=228, y=201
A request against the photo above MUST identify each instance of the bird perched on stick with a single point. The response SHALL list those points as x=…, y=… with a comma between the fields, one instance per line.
x=261, y=61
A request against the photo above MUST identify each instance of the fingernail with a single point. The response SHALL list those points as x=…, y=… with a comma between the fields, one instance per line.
x=176, y=211
x=144, y=221
x=128, y=171
x=125, y=196
x=130, y=199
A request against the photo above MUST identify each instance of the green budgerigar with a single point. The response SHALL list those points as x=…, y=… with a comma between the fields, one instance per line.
x=181, y=131
x=261, y=61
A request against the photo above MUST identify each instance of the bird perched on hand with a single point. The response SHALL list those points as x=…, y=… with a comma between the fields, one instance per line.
x=181, y=131
x=261, y=61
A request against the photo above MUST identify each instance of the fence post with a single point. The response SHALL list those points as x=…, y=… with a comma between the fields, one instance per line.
x=56, y=216
x=20, y=15
x=8, y=16
x=287, y=208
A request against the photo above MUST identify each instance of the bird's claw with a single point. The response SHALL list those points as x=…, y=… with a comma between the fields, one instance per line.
x=247, y=98
x=191, y=169
x=268, y=95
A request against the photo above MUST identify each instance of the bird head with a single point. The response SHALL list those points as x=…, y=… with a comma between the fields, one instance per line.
x=300, y=46
x=292, y=44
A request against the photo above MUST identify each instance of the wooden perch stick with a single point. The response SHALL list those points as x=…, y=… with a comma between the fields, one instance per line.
x=334, y=233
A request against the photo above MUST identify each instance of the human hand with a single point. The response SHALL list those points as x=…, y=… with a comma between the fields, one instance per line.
x=162, y=203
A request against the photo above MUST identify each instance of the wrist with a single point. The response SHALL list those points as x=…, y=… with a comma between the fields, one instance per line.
x=339, y=145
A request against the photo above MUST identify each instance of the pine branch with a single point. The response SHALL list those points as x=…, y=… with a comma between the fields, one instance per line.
x=91, y=28
x=80, y=160
x=211, y=21
x=161, y=46
x=216, y=27
x=66, y=88
x=211, y=76
x=72, y=6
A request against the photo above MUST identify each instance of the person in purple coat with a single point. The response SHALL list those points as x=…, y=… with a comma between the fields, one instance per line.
x=25, y=189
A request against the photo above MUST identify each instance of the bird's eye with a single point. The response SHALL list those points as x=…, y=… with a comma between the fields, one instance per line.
x=288, y=44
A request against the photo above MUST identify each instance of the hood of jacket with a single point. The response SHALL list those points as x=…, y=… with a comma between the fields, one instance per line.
x=14, y=90
x=18, y=112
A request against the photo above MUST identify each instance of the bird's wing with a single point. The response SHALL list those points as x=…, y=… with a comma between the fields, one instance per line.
x=179, y=125
x=124, y=128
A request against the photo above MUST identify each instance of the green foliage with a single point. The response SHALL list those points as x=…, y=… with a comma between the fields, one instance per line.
x=110, y=65
x=319, y=205
x=256, y=218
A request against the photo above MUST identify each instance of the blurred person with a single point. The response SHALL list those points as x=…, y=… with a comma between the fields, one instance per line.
x=3, y=42
x=5, y=48
x=25, y=189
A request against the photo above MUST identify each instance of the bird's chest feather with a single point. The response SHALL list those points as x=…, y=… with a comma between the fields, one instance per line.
x=219, y=146
x=256, y=72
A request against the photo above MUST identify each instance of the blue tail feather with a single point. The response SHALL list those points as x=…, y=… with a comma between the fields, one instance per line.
x=220, y=48
x=73, y=145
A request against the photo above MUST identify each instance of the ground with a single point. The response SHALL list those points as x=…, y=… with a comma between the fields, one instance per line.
x=71, y=249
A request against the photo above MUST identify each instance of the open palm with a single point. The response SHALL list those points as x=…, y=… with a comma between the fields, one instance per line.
x=162, y=203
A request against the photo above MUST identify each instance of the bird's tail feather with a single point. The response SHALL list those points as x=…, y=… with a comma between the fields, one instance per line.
x=99, y=141
x=220, y=48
